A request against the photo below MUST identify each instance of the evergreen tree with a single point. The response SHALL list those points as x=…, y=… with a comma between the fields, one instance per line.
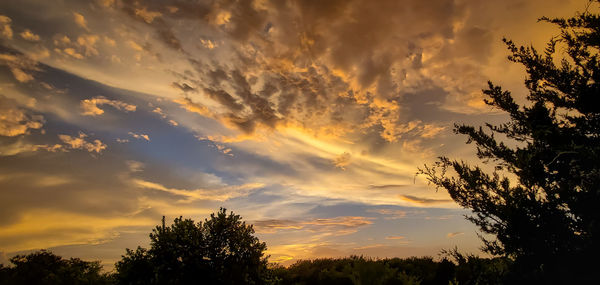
x=547, y=216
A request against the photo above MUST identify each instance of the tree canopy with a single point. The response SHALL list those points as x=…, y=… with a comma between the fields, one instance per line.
x=541, y=199
x=45, y=267
x=222, y=250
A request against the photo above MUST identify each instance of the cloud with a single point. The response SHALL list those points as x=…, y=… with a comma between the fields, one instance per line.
x=15, y=121
x=20, y=65
x=29, y=36
x=135, y=45
x=208, y=44
x=20, y=146
x=70, y=52
x=88, y=44
x=135, y=166
x=183, y=87
x=273, y=225
x=91, y=106
x=347, y=77
x=346, y=221
x=160, y=112
x=107, y=3
x=154, y=18
x=342, y=225
x=451, y=235
x=147, y=16
x=80, y=142
x=80, y=20
x=387, y=186
x=139, y=136
x=220, y=194
x=395, y=237
x=84, y=46
x=223, y=149
x=342, y=160
x=390, y=214
x=426, y=201
x=5, y=29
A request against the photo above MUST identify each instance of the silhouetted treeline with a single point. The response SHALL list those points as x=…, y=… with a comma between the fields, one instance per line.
x=44, y=267
x=414, y=270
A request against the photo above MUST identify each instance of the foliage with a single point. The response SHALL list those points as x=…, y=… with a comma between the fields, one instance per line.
x=222, y=250
x=413, y=270
x=546, y=217
x=44, y=267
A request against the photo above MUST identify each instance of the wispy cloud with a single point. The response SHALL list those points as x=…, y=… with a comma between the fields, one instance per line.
x=395, y=237
x=337, y=225
x=220, y=194
x=454, y=234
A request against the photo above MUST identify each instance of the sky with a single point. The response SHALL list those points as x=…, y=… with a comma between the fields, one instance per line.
x=308, y=118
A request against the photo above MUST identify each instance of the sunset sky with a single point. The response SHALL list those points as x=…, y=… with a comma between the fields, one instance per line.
x=308, y=118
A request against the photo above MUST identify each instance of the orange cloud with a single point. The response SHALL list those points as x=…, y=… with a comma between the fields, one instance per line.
x=80, y=20
x=139, y=136
x=5, y=29
x=29, y=36
x=451, y=235
x=395, y=237
x=80, y=143
x=90, y=106
x=15, y=121
x=147, y=16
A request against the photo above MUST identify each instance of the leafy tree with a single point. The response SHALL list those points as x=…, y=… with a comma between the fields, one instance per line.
x=44, y=267
x=135, y=268
x=222, y=250
x=232, y=250
x=546, y=216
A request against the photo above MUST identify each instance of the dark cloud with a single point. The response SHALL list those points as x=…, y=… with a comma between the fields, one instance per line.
x=388, y=186
x=224, y=99
x=426, y=201
x=183, y=87
x=154, y=18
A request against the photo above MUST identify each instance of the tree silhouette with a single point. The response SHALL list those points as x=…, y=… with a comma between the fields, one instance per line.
x=222, y=250
x=44, y=267
x=547, y=218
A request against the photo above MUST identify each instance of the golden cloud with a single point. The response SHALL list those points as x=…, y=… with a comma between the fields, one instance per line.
x=80, y=20
x=80, y=142
x=15, y=121
x=5, y=29
x=90, y=106
x=28, y=35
